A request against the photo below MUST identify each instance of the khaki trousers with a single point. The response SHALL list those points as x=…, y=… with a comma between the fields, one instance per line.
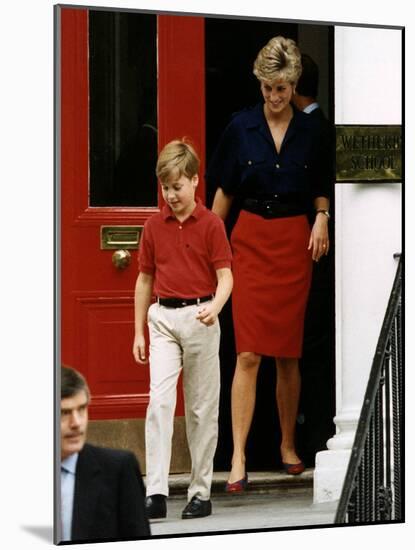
x=179, y=341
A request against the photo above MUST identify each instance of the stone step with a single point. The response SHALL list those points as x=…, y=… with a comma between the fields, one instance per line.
x=259, y=482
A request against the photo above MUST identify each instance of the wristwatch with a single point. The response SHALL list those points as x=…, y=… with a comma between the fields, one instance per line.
x=325, y=212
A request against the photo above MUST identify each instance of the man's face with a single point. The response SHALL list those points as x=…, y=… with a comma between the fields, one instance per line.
x=74, y=422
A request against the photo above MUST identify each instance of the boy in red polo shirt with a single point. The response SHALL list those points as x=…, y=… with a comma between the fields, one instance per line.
x=185, y=260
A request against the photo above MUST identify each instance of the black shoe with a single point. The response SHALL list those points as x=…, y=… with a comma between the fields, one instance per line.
x=156, y=506
x=197, y=508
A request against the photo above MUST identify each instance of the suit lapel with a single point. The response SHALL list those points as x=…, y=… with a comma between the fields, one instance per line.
x=87, y=490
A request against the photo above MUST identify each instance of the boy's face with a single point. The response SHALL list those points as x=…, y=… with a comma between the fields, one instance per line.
x=179, y=194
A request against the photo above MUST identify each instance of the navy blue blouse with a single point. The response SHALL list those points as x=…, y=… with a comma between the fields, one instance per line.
x=246, y=163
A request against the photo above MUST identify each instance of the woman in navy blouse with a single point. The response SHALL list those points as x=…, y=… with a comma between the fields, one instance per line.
x=271, y=159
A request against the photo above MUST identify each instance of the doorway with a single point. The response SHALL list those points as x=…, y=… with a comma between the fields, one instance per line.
x=231, y=46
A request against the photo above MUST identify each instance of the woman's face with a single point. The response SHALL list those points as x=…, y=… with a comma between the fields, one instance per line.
x=277, y=96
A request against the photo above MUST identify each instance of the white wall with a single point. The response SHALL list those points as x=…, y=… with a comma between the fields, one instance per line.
x=368, y=75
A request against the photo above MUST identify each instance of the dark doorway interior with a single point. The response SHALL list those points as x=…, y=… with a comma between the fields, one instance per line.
x=231, y=47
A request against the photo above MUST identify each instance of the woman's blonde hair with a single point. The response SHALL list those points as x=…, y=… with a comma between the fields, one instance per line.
x=280, y=59
x=176, y=159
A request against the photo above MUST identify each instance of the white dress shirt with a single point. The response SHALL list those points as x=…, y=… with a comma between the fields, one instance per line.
x=68, y=469
x=310, y=108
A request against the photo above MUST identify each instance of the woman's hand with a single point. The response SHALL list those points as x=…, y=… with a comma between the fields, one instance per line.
x=319, y=238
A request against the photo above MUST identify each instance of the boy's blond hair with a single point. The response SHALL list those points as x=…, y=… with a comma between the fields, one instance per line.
x=177, y=158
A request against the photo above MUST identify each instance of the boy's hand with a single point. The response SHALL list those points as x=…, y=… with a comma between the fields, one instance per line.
x=139, y=349
x=208, y=314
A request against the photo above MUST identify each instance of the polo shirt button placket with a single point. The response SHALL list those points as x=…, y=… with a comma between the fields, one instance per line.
x=180, y=235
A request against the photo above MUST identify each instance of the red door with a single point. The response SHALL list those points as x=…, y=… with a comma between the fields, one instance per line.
x=97, y=313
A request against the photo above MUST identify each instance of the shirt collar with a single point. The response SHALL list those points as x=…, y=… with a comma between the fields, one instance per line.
x=310, y=108
x=70, y=462
x=198, y=211
x=256, y=117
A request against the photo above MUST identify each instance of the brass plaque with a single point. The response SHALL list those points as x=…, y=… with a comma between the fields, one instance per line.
x=371, y=154
x=120, y=236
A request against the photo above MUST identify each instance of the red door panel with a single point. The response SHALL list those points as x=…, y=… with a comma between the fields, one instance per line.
x=97, y=323
x=182, y=83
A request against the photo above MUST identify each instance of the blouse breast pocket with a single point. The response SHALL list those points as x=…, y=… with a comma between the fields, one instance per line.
x=299, y=171
x=252, y=165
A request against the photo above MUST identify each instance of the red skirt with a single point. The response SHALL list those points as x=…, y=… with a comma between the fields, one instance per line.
x=272, y=274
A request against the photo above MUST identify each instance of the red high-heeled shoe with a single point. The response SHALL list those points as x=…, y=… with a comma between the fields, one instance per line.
x=237, y=486
x=294, y=469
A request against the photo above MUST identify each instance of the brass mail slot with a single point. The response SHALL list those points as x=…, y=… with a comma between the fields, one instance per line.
x=120, y=236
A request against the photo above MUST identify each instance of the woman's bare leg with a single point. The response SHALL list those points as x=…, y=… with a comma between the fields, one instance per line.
x=288, y=395
x=242, y=406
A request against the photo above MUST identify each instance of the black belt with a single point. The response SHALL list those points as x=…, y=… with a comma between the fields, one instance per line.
x=182, y=302
x=274, y=208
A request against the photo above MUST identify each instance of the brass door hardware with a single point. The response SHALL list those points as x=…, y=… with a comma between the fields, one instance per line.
x=124, y=237
x=121, y=259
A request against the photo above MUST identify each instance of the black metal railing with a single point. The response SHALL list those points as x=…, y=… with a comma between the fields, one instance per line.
x=373, y=486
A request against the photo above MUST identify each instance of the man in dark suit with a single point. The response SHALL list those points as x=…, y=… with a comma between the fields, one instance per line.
x=306, y=90
x=102, y=492
x=318, y=409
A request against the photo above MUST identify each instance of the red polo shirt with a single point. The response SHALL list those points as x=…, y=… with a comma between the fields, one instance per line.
x=183, y=256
